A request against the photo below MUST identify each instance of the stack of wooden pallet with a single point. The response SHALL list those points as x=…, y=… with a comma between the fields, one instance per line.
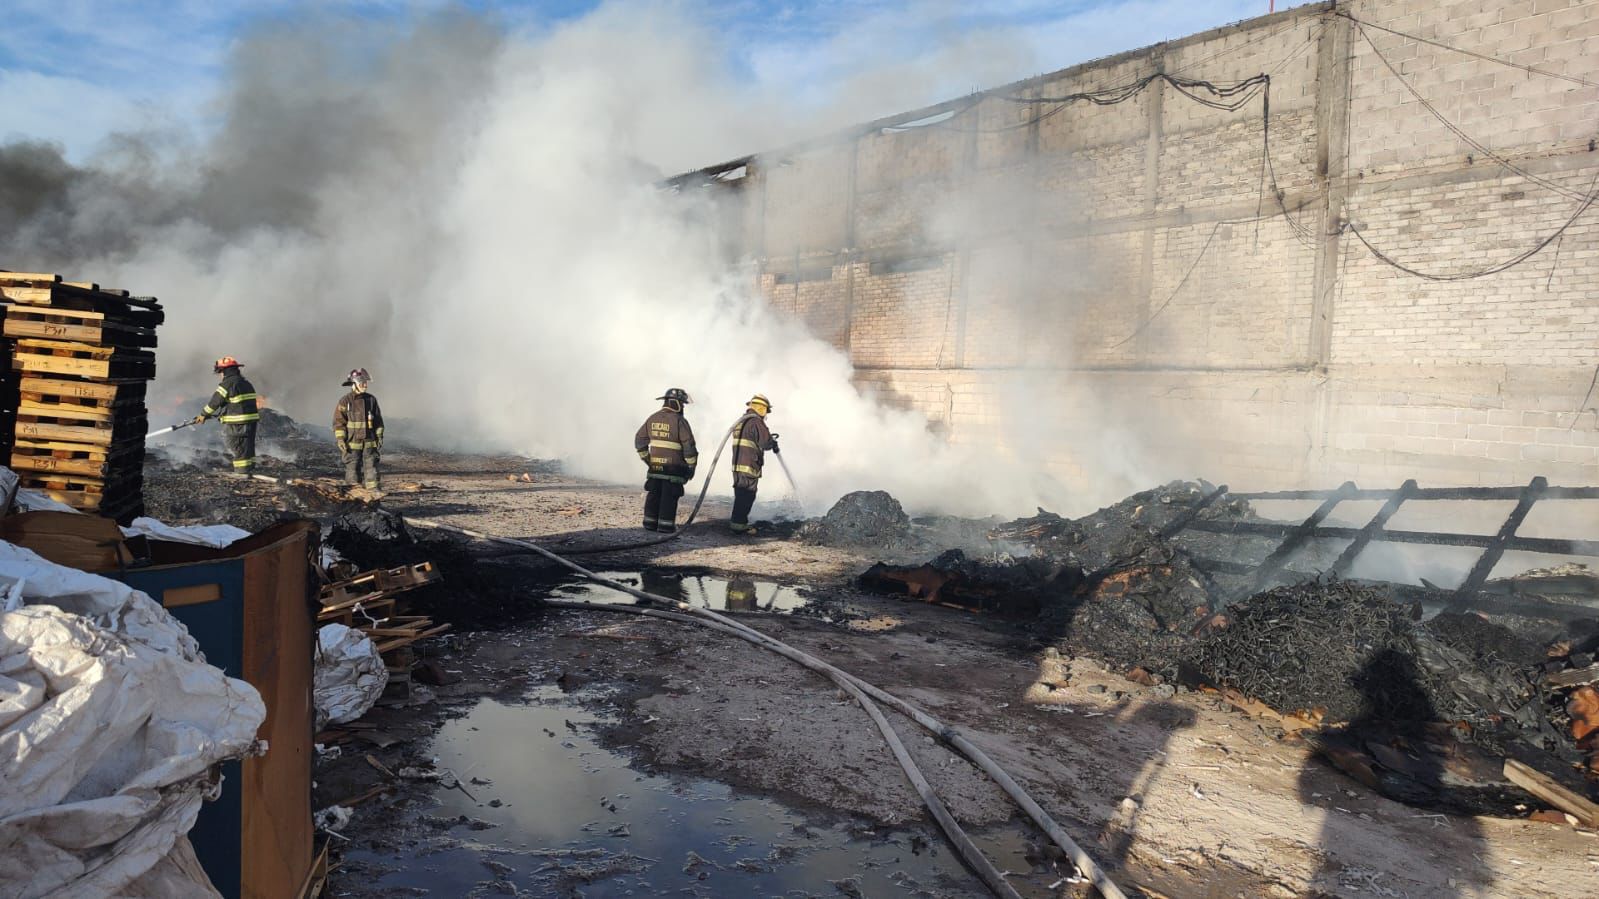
x=73, y=414
x=367, y=602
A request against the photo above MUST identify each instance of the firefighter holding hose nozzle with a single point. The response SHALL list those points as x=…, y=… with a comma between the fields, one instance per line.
x=235, y=404
x=666, y=444
x=751, y=440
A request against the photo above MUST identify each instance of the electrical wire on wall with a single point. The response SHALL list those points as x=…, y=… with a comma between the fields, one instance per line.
x=1231, y=96
x=1585, y=199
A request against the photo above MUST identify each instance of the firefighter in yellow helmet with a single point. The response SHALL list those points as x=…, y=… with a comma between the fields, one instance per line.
x=235, y=404
x=751, y=440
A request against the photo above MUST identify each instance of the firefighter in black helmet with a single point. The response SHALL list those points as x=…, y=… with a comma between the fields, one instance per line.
x=666, y=444
x=358, y=431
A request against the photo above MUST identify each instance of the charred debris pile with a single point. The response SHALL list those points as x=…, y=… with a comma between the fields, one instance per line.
x=1407, y=689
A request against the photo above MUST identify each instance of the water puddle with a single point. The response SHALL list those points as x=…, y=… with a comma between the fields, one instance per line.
x=715, y=593
x=552, y=813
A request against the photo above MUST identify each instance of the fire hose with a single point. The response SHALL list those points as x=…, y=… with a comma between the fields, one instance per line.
x=705, y=488
x=177, y=427
x=865, y=694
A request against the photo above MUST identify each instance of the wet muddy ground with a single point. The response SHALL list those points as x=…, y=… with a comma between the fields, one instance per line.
x=780, y=786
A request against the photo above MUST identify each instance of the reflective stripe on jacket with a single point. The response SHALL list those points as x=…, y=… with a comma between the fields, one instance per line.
x=357, y=420
x=234, y=402
x=751, y=440
x=666, y=444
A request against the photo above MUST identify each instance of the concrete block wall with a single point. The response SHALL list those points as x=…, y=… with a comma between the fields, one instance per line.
x=1122, y=280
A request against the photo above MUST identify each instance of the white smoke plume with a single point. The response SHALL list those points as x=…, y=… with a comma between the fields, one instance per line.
x=475, y=218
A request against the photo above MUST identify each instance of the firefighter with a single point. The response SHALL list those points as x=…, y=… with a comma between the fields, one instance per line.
x=751, y=440
x=235, y=404
x=666, y=444
x=741, y=595
x=358, y=431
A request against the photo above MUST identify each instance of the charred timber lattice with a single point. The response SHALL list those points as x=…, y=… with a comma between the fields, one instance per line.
x=1494, y=546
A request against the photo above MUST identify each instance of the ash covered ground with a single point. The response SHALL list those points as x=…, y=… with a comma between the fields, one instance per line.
x=1091, y=656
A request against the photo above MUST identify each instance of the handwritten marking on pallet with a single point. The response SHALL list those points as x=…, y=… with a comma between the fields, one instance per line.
x=72, y=325
x=66, y=433
x=78, y=466
x=86, y=368
x=33, y=296
x=82, y=389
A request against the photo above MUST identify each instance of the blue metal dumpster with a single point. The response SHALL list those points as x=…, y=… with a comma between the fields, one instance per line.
x=251, y=607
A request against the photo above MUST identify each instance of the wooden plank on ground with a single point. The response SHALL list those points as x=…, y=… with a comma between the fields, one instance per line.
x=1545, y=788
x=1573, y=678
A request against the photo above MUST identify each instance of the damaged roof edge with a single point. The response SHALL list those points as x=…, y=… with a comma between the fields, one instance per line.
x=709, y=173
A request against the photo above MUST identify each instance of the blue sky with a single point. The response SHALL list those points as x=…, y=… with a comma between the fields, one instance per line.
x=72, y=71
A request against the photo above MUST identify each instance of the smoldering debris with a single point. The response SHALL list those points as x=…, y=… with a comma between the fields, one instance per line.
x=473, y=592
x=1422, y=710
x=1300, y=647
x=279, y=438
x=1012, y=588
x=862, y=518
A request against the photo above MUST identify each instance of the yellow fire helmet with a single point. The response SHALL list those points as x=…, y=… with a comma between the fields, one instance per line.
x=760, y=405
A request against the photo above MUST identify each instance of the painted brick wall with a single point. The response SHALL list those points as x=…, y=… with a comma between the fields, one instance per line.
x=1113, y=294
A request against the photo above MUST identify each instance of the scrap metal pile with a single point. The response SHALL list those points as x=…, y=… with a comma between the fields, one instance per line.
x=1422, y=708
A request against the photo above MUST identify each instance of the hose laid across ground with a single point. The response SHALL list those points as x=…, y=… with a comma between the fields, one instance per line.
x=852, y=684
x=952, y=829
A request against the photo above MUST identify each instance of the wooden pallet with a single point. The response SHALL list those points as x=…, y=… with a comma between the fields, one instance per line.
x=86, y=407
x=74, y=458
x=82, y=360
x=76, y=410
x=89, y=501
x=46, y=289
x=373, y=584
x=77, y=427
x=77, y=325
x=103, y=394
x=114, y=486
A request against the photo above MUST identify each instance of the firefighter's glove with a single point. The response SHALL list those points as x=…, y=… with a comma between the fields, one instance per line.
x=774, y=445
x=343, y=447
x=198, y=420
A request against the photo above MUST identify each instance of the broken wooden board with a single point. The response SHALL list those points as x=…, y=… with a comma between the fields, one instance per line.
x=1547, y=790
x=371, y=608
x=392, y=643
x=1576, y=677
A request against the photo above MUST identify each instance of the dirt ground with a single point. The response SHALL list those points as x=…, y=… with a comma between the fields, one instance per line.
x=1176, y=793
